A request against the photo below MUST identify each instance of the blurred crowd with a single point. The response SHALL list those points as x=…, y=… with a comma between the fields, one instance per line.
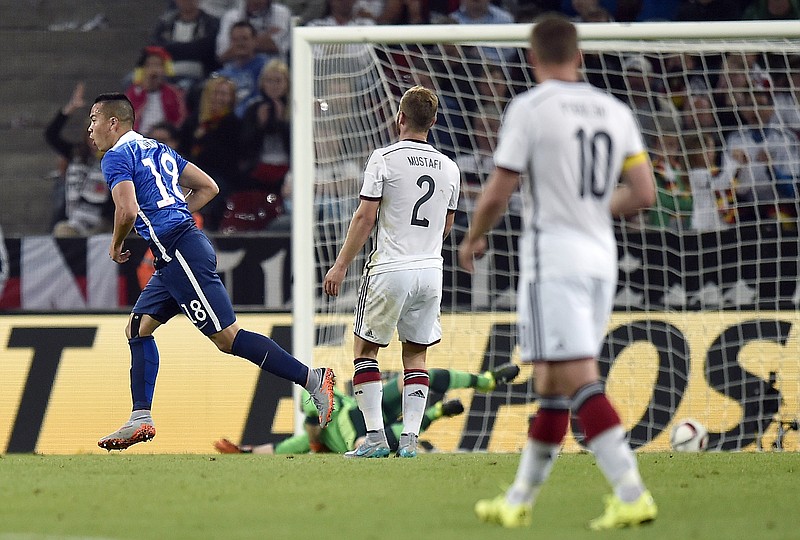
x=213, y=82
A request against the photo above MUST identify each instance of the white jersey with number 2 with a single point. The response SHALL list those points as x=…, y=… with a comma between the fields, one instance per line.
x=573, y=141
x=416, y=185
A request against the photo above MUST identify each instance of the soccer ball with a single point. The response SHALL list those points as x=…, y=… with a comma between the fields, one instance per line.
x=689, y=435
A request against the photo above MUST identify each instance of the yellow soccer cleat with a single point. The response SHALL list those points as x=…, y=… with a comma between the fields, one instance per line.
x=501, y=512
x=620, y=514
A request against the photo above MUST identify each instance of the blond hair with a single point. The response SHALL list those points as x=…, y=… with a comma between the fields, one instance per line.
x=419, y=105
x=205, y=110
x=278, y=66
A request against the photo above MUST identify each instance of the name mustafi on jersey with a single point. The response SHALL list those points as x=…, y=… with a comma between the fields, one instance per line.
x=422, y=161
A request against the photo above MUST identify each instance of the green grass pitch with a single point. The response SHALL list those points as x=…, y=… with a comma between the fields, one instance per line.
x=703, y=496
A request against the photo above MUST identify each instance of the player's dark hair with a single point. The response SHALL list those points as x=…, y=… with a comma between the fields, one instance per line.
x=118, y=105
x=554, y=39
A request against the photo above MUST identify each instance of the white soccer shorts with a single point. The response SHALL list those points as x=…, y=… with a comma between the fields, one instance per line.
x=564, y=318
x=406, y=300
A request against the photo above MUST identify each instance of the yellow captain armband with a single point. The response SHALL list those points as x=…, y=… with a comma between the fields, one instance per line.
x=635, y=159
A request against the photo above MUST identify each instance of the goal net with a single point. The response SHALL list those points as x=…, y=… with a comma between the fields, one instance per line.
x=705, y=321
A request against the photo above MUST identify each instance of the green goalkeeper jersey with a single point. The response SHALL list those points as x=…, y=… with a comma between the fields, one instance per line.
x=339, y=436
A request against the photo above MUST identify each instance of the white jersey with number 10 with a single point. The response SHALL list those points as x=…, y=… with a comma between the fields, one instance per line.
x=416, y=185
x=573, y=141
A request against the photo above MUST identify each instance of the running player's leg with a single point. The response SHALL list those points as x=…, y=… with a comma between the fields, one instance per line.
x=153, y=307
x=541, y=341
x=201, y=295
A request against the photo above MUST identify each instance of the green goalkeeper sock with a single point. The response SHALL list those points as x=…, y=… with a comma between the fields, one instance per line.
x=442, y=380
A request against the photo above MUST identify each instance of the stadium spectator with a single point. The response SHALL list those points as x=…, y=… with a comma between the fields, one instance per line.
x=87, y=206
x=569, y=268
x=698, y=115
x=709, y=10
x=732, y=79
x=154, y=99
x=484, y=12
x=712, y=185
x=346, y=430
x=189, y=35
x=684, y=74
x=673, y=205
x=266, y=132
x=186, y=280
x=768, y=10
x=655, y=113
x=271, y=22
x=768, y=153
x=244, y=67
x=210, y=139
x=402, y=280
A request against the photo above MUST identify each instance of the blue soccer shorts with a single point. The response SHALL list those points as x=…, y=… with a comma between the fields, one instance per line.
x=189, y=284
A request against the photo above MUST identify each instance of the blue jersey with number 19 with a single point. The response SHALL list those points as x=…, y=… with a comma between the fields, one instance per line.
x=154, y=169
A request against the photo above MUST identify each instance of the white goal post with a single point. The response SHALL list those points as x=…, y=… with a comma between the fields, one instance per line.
x=705, y=323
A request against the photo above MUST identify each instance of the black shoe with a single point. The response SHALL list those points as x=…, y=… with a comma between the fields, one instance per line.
x=454, y=407
x=505, y=373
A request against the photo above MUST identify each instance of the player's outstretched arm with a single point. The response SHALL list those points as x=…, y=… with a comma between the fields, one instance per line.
x=637, y=190
x=360, y=228
x=202, y=188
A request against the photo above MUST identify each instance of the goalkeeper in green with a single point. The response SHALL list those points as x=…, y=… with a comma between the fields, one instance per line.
x=347, y=428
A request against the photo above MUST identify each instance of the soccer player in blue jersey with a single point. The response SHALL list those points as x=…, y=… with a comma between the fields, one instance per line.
x=155, y=191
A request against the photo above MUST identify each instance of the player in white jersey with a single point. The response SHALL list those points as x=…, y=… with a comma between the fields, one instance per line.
x=409, y=196
x=574, y=143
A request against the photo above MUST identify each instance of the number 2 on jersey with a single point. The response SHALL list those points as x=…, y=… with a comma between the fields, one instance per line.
x=415, y=219
x=594, y=181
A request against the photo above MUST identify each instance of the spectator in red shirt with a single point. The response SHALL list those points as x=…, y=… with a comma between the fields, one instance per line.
x=154, y=100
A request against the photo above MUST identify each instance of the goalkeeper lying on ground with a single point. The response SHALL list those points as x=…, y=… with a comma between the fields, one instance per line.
x=346, y=428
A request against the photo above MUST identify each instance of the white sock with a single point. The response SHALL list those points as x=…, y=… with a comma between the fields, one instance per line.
x=534, y=468
x=618, y=463
x=369, y=396
x=415, y=399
